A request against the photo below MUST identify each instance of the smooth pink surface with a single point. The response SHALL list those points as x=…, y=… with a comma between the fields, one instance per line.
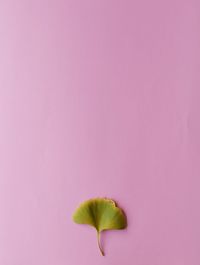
x=99, y=98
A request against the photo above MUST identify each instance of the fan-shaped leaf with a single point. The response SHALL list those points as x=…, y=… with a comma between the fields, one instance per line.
x=102, y=214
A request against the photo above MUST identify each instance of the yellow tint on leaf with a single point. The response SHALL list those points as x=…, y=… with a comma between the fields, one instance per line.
x=102, y=214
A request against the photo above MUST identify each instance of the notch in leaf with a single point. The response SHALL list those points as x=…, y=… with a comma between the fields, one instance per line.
x=102, y=214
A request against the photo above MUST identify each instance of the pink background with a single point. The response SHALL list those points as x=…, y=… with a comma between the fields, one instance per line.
x=99, y=98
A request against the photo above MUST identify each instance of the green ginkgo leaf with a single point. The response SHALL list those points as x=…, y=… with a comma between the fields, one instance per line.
x=102, y=214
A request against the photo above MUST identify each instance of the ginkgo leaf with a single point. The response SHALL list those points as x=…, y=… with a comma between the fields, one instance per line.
x=102, y=214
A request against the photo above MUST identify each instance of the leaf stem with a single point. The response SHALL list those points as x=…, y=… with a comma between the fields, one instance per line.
x=99, y=244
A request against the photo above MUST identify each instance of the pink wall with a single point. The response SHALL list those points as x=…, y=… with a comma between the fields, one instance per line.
x=99, y=98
